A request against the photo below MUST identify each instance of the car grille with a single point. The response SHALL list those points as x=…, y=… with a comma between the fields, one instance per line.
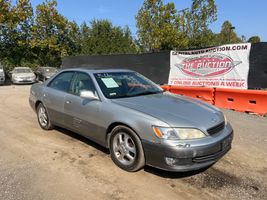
x=216, y=128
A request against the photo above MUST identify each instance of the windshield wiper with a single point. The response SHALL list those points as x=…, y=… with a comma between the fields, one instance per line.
x=145, y=93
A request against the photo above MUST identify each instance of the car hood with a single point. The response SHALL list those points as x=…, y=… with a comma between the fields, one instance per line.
x=49, y=74
x=175, y=110
x=23, y=74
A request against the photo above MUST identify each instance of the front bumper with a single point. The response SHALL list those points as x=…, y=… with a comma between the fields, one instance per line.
x=188, y=155
x=23, y=81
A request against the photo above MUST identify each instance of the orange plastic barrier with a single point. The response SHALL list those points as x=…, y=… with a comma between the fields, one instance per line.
x=166, y=87
x=201, y=93
x=242, y=100
x=254, y=101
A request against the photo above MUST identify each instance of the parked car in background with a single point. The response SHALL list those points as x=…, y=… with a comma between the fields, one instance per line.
x=2, y=75
x=44, y=73
x=22, y=75
x=139, y=122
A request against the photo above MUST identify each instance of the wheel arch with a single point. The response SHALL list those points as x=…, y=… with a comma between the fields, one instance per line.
x=37, y=104
x=112, y=126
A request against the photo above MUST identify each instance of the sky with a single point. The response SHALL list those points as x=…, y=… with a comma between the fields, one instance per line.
x=249, y=17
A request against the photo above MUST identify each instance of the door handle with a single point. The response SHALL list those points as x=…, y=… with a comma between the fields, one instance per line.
x=68, y=102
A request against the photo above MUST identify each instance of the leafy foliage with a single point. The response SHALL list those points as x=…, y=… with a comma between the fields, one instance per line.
x=228, y=34
x=51, y=33
x=254, y=39
x=15, y=23
x=101, y=37
x=159, y=26
x=162, y=27
x=199, y=17
x=44, y=38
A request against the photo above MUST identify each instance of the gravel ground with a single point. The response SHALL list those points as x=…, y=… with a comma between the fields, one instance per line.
x=35, y=164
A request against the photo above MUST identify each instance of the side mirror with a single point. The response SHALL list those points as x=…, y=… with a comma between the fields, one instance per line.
x=86, y=94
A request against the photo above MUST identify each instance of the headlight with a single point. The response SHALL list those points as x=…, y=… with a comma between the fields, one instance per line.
x=32, y=76
x=165, y=133
x=178, y=133
x=186, y=134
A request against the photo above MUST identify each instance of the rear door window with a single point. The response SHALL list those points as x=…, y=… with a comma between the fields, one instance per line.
x=62, y=82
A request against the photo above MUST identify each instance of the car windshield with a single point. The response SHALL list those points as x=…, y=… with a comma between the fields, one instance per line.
x=125, y=84
x=50, y=70
x=24, y=70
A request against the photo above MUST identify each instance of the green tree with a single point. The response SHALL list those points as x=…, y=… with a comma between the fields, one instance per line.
x=83, y=39
x=16, y=23
x=52, y=35
x=159, y=26
x=202, y=14
x=202, y=39
x=228, y=34
x=73, y=38
x=254, y=39
x=5, y=13
x=101, y=37
x=46, y=37
x=198, y=18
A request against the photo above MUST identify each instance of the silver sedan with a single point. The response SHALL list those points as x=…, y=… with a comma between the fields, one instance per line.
x=22, y=75
x=139, y=122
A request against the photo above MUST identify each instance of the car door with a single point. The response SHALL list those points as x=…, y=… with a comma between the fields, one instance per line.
x=83, y=115
x=54, y=96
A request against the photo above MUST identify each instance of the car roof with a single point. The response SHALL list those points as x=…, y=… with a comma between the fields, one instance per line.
x=21, y=68
x=47, y=67
x=98, y=70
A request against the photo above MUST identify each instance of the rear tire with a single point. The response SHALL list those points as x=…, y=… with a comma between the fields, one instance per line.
x=126, y=149
x=43, y=118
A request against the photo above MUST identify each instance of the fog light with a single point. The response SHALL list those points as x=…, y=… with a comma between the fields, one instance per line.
x=170, y=161
x=178, y=161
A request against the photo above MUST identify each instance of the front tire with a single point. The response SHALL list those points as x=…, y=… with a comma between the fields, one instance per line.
x=126, y=149
x=43, y=118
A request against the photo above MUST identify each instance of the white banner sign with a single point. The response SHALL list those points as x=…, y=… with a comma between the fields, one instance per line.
x=224, y=66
